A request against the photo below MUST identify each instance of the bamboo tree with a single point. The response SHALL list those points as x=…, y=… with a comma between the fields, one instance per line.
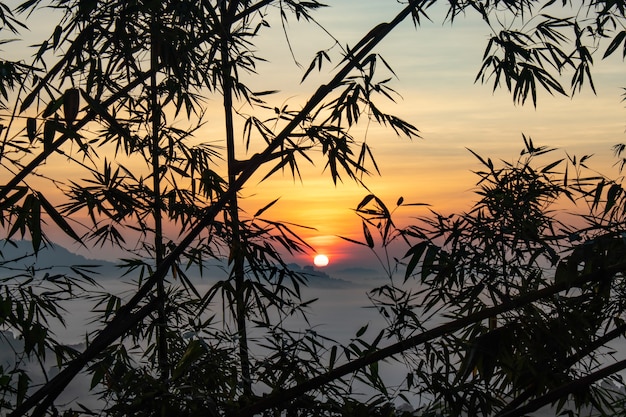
x=156, y=185
x=236, y=256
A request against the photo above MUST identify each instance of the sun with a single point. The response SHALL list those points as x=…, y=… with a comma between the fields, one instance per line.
x=320, y=260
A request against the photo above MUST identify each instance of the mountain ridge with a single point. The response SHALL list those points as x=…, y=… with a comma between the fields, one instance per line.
x=53, y=258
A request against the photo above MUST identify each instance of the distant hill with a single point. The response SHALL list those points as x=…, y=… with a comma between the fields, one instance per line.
x=319, y=279
x=359, y=274
x=16, y=256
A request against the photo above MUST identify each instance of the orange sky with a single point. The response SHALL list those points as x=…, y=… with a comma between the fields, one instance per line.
x=436, y=66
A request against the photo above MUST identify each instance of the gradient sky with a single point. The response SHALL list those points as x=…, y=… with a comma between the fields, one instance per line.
x=436, y=66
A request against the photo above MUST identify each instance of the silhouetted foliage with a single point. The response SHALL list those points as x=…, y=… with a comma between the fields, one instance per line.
x=130, y=80
x=530, y=352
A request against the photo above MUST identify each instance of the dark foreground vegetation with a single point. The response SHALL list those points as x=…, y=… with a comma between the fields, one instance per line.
x=499, y=311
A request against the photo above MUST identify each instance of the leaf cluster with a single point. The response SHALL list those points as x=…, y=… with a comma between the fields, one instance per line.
x=508, y=246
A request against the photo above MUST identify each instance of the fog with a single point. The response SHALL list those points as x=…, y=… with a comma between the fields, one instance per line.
x=341, y=308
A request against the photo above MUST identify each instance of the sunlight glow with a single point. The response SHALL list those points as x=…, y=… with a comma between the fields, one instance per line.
x=320, y=260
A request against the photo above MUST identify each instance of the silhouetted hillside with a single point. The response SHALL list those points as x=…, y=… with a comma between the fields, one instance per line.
x=16, y=257
x=359, y=274
x=319, y=279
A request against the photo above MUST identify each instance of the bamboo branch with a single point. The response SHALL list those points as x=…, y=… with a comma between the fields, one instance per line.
x=565, y=389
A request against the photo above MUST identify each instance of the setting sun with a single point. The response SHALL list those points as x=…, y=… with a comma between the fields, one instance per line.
x=320, y=260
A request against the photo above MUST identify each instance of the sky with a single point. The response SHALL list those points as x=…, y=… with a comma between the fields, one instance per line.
x=436, y=65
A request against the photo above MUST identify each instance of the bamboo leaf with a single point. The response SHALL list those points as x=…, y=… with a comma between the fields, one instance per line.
x=429, y=261
x=611, y=197
x=333, y=357
x=33, y=207
x=488, y=164
x=415, y=253
x=58, y=218
x=597, y=195
x=356, y=242
x=49, y=130
x=549, y=167
x=615, y=43
x=368, y=235
x=365, y=201
x=261, y=210
x=56, y=37
x=71, y=103
x=52, y=107
x=361, y=331
x=31, y=129
x=22, y=387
